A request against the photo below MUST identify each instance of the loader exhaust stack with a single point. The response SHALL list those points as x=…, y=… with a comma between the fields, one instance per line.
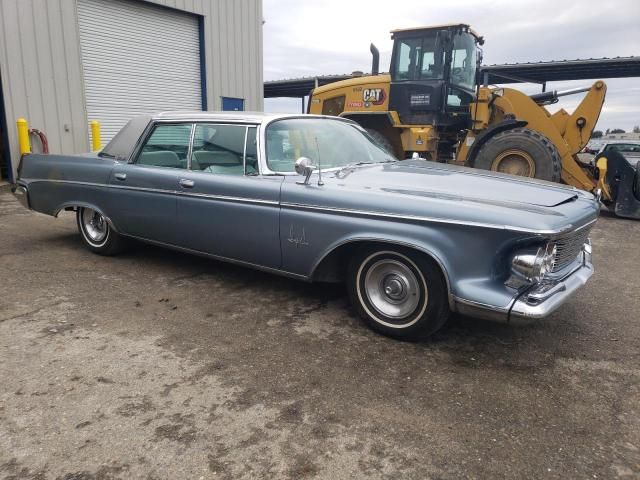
x=375, y=61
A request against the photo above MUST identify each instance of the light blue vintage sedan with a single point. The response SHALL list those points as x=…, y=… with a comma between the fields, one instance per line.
x=314, y=198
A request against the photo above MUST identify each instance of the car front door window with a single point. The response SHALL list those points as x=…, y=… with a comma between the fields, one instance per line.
x=224, y=149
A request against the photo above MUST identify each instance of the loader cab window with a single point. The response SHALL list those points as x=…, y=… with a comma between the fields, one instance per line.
x=333, y=106
x=418, y=58
x=463, y=61
x=462, y=70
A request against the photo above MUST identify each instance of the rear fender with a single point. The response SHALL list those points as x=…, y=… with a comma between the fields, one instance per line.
x=75, y=205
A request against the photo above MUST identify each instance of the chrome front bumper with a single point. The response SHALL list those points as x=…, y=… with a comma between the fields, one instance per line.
x=545, y=298
x=538, y=302
x=20, y=192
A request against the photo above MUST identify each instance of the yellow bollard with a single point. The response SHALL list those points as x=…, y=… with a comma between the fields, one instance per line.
x=95, y=136
x=23, y=136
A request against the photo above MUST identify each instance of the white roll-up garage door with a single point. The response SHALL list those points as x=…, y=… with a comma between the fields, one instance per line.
x=137, y=58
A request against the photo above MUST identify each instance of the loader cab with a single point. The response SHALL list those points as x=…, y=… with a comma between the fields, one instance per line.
x=434, y=75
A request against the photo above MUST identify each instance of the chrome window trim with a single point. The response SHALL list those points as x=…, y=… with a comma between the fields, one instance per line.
x=244, y=152
x=190, y=149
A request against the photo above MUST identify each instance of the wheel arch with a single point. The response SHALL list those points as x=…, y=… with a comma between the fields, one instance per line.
x=332, y=264
x=76, y=204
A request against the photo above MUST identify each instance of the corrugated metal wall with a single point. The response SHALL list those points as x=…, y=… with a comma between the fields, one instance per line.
x=41, y=69
x=41, y=72
x=233, y=40
x=156, y=47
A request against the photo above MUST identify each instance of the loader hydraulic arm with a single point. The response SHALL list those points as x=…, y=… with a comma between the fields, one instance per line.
x=582, y=121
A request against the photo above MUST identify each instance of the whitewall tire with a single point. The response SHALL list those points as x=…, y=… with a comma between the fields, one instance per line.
x=398, y=292
x=96, y=232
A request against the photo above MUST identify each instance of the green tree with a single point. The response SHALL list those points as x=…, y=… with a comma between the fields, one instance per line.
x=618, y=130
x=636, y=129
x=596, y=134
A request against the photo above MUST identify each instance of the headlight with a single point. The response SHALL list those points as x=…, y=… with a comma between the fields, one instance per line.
x=533, y=266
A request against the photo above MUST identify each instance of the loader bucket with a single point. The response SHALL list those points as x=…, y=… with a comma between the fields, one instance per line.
x=623, y=180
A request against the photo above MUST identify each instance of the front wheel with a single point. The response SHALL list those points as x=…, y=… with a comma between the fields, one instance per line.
x=522, y=152
x=96, y=233
x=398, y=292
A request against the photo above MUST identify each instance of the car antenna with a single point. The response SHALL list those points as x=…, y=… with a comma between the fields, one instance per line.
x=320, y=182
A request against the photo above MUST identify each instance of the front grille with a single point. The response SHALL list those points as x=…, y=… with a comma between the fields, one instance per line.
x=569, y=247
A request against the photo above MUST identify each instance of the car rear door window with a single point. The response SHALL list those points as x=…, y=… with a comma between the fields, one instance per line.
x=167, y=146
x=224, y=149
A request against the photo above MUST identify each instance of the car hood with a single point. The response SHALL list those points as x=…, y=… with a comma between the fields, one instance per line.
x=419, y=177
x=423, y=188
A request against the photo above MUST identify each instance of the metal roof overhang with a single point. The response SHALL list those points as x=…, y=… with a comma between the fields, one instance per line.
x=539, y=72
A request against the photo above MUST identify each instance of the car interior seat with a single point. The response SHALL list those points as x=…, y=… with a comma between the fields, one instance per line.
x=162, y=158
x=222, y=163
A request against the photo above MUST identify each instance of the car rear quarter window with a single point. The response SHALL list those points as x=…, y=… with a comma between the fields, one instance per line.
x=167, y=146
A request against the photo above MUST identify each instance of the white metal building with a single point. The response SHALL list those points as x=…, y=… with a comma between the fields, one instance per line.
x=64, y=63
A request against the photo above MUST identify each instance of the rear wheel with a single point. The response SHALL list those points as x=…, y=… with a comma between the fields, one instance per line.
x=522, y=152
x=398, y=292
x=97, y=234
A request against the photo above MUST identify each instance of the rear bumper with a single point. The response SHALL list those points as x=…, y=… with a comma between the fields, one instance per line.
x=21, y=193
x=538, y=302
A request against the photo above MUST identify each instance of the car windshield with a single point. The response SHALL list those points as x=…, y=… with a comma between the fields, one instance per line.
x=333, y=143
x=624, y=147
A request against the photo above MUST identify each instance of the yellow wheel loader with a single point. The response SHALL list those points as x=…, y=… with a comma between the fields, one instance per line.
x=431, y=104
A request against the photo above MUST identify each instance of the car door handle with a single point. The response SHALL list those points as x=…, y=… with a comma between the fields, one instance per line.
x=186, y=183
x=121, y=176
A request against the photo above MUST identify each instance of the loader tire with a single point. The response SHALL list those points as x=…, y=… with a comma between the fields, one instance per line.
x=382, y=141
x=636, y=181
x=521, y=151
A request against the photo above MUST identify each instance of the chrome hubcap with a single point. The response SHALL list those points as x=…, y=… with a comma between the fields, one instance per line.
x=94, y=224
x=392, y=288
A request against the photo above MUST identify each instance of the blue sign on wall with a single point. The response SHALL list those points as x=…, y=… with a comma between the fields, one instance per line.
x=232, y=104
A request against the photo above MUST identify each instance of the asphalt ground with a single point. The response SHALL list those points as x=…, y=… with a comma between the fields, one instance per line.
x=155, y=364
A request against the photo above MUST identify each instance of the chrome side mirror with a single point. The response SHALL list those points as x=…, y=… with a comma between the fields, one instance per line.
x=303, y=167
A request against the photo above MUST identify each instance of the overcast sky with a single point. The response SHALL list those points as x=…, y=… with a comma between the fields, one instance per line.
x=321, y=37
